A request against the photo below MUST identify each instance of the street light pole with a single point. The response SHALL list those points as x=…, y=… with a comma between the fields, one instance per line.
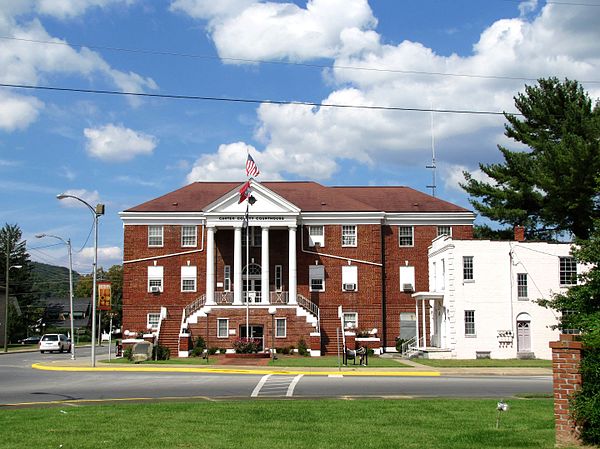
x=68, y=243
x=99, y=210
x=8, y=267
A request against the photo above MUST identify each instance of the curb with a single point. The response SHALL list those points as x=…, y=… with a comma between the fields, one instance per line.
x=159, y=369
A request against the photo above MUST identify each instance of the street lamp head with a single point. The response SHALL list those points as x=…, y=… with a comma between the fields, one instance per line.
x=61, y=196
x=16, y=266
x=39, y=236
x=272, y=310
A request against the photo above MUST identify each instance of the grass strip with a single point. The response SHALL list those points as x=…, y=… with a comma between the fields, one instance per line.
x=298, y=424
x=331, y=361
x=486, y=363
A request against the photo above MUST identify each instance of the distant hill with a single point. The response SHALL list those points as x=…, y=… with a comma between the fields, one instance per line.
x=51, y=281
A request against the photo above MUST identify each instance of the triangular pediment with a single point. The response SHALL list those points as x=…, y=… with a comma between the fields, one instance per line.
x=267, y=202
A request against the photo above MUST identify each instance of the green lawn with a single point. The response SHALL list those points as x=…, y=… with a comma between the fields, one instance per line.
x=482, y=363
x=331, y=361
x=274, y=424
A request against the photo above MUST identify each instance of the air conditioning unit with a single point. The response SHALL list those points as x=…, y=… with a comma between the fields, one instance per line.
x=155, y=289
x=408, y=287
x=349, y=287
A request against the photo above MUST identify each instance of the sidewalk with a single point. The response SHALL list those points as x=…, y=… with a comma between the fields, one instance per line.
x=414, y=370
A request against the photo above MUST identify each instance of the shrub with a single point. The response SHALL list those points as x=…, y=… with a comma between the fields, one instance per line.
x=585, y=404
x=199, y=347
x=302, y=348
x=284, y=350
x=160, y=352
x=212, y=350
x=399, y=343
x=222, y=351
x=246, y=345
x=128, y=354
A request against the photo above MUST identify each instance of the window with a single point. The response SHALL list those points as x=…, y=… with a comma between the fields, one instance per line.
x=222, y=327
x=155, y=279
x=350, y=320
x=153, y=320
x=444, y=230
x=568, y=271
x=155, y=236
x=227, y=278
x=407, y=279
x=316, y=236
x=405, y=235
x=522, y=285
x=188, y=279
x=468, y=268
x=188, y=236
x=349, y=235
x=408, y=325
x=316, y=277
x=278, y=278
x=254, y=237
x=469, y=322
x=349, y=278
x=280, y=327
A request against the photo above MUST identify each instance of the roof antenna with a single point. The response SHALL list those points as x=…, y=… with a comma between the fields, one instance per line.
x=432, y=167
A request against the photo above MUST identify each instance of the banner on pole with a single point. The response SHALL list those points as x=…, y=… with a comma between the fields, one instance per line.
x=104, y=295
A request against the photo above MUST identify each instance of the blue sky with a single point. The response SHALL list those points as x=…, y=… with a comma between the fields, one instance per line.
x=122, y=151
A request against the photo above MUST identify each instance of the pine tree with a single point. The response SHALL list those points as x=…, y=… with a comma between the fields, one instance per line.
x=551, y=187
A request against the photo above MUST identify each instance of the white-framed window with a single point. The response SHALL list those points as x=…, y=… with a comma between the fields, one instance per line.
x=522, y=285
x=568, y=271
x=407, y=279
x=280, y=327
x=227, y=278
x=469, y=322
x=350, y=320
x=189, y=236
x=406, y=235
x=316, y=235
x=468, y=268
x=316, y=278
x=349, y=278
x=222, y=327
x=188, y=279
x=153, y=320
x=155, y=236
x=348, y=235
x=254, y=236
x=278, y=278
x=155, y=279
x=444, y=230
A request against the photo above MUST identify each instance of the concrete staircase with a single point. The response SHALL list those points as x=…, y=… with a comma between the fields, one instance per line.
x=169, y=334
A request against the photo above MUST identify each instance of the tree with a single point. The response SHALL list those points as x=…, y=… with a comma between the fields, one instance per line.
x=552, y=187
x=114, y=274
x=19, y=285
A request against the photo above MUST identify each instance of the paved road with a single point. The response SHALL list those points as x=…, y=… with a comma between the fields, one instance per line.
x=19, y=383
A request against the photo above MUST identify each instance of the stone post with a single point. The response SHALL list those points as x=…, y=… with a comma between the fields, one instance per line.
x=566, y=357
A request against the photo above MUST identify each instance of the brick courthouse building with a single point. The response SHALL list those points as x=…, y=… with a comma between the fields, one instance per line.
x=188, y=271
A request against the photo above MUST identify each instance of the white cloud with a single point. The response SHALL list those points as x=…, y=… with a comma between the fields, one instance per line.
x=453, y=175
x=116, y=143
x=24, y=62
x=91, y=198
x=229, y=162
x=107, y=256
x=253, y=30
x=64, y=9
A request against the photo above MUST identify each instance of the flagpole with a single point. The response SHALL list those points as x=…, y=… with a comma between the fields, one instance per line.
x=247, y=271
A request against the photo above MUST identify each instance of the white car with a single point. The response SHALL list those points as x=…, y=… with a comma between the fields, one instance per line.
x=55, y=342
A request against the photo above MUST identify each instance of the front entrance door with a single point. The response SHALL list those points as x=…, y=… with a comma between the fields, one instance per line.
x=523, y=336
x=252, y=285
x=256, y=332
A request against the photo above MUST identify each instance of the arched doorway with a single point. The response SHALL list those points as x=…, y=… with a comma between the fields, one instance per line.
x=523, y=333
x=251, y=282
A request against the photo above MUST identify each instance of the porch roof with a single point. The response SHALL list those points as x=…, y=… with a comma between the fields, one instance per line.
x=428, y=296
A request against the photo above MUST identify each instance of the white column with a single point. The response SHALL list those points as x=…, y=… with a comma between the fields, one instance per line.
x=210, y=265
x=417, y=321
x=264, y=260
x=292, y=287
x=424, y=327
x=237, y=266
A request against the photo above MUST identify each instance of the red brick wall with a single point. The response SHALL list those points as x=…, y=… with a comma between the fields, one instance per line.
x=566, y=358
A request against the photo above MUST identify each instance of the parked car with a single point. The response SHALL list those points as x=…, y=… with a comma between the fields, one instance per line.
x=33, y=340
x=55, y=342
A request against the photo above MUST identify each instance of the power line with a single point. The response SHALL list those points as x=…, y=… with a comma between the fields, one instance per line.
x=252, y=101
x=283, y=63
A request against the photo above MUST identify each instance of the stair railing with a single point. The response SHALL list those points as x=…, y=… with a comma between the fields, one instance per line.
x=311, y=307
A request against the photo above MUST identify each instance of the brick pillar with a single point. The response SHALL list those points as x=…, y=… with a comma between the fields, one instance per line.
x=315, y=344
x=185, y=345
x=566, y=357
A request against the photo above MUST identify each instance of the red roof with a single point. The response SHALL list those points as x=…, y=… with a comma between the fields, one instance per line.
x=308, y=196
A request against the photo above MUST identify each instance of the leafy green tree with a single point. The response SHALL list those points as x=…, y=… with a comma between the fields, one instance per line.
x=115, y=276
x=19, y=285
x=551, y=187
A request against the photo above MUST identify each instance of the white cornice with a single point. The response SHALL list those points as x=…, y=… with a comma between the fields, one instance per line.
x=430, y=218
x=325, y=218
x=166, y=218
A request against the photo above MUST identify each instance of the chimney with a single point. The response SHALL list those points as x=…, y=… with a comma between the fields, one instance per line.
x=519, y=233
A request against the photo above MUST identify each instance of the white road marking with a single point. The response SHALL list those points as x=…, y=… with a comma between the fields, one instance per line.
x=336, y=376
x=259, y=385
x=290, y=390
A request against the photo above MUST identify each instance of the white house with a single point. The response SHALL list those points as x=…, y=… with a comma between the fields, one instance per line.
x=483, y=298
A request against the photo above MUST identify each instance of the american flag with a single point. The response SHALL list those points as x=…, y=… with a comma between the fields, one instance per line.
x=251, y=168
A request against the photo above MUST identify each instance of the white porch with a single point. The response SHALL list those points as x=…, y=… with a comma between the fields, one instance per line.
x=435, y=343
